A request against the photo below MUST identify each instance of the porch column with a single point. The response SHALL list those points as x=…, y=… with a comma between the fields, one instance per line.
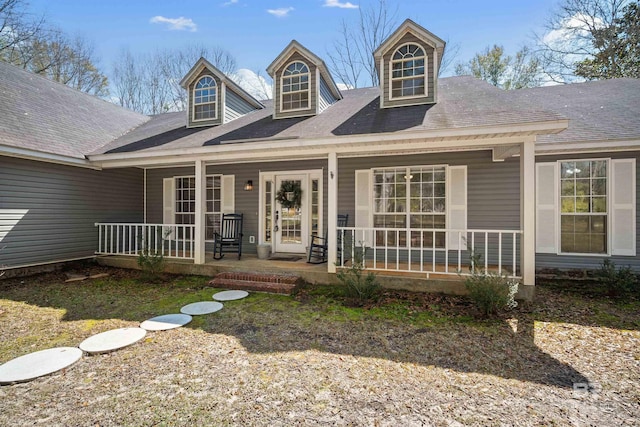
x=527, y=214
x=201, y=197
x=332, y=211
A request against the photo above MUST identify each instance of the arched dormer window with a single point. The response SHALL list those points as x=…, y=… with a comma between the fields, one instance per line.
x=295, y=86
x=205, y=99
x=408, y=72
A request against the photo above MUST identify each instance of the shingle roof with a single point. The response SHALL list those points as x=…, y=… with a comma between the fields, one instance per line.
x=597, y=111
x=462, y=102
x=42, y=115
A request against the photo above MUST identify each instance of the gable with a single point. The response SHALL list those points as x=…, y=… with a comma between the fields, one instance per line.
x=407, y=63
x=192, y=121
x=242, y=101
x=321, y=91
x=385, y=75
x=279, y=110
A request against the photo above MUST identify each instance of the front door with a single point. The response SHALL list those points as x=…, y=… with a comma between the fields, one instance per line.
x=291, y=225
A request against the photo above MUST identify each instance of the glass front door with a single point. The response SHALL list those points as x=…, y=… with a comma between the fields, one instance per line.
x=291, y=221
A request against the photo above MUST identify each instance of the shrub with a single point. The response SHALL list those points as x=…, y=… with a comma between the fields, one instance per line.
x=151, y=264
x=491, y=292
x=359, y=287
x=617, y=281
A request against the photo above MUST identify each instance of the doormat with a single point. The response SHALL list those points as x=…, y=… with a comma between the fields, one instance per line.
x=285, y=258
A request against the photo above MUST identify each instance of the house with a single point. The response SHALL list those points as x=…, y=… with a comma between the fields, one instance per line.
x=431, y=171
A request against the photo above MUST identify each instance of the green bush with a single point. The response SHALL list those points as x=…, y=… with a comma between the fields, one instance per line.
x=359, y=287
x=151, y=264
x=491, y=292
x=617, y=281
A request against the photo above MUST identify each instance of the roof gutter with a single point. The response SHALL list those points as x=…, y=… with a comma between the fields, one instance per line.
x=25, y=153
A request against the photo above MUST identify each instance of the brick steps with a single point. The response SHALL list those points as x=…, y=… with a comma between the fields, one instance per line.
x=273, y=283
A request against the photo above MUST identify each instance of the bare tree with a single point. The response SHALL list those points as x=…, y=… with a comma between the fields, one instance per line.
x=26, y=41
x=17, y=26
x=448, y=57
x=127, y=82
x=351, y=59
x=571, y=31
x=150, y=83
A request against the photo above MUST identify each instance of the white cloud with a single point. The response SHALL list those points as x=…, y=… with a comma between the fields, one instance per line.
x=179, y=24
x=281, y=12
x=253, y=83
x=572, y=38
x=344, y=86
x=230, y=2
x=336, y=3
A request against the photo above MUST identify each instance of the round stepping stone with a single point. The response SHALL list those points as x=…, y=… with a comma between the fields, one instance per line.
x=112, y=340
x=203, y=307
x=34, y=365
x=230, y=295
x=166, y=321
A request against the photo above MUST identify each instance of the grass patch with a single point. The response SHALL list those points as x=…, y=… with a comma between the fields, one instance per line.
x=267, y=356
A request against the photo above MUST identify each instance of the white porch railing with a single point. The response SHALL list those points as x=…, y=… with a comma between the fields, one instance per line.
x=431, y=251
x=171, y=240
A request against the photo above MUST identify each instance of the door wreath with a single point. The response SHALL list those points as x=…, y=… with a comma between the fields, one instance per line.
x=289, y=195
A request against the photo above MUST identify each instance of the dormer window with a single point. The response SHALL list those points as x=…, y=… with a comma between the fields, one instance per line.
x=205, y=99
x=295, y=87
x=408, y=72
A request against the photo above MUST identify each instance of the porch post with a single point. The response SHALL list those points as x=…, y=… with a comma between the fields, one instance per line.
x=201, y=188
x=332, y=211
x=527, y=216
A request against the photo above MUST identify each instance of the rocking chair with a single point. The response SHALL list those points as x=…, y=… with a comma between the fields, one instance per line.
x=319, y=247
x=230, y=237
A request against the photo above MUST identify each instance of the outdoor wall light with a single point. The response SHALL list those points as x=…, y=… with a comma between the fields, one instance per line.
x=248, y=186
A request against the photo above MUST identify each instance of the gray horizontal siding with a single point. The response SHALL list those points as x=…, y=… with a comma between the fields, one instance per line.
x=326, y=97
x=60, y=205
x=246, y=202
x=565, y=262
x=235, y=106
x=493, y=192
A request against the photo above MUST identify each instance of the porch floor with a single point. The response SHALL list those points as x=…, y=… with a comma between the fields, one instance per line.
x=312, y=273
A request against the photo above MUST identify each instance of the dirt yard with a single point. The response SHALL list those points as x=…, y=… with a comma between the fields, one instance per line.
x=274, y=360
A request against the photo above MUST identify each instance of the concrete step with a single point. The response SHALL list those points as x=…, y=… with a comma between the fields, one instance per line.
x=261, y=282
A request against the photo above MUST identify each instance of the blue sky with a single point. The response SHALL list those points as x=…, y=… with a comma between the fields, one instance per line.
x=256, y=36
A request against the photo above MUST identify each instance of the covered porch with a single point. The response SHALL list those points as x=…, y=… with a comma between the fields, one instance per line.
x=427, y=205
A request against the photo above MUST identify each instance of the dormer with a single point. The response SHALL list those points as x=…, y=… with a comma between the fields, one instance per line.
x=408, y=62
x=213, y=98
x=302, y=84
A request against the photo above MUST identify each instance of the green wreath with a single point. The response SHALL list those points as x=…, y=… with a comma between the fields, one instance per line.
x=289, y=195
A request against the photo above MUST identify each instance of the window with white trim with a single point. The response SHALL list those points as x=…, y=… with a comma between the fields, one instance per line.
x=205, y=99
x=185, y=200
x=583, y=206
x=408, y=72
x=213, y=214
x=185, y=188
x=295, y=88
x=410, y=197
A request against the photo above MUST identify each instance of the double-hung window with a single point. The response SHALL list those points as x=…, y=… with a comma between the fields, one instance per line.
x=205, y=99
x=410, y=199
x=408, y=72
x=583, y=206
x=295, y=87
x=185, y=202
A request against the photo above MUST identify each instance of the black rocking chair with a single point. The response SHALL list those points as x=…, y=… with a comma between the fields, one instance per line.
x=319, y=248
x=229, y=240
